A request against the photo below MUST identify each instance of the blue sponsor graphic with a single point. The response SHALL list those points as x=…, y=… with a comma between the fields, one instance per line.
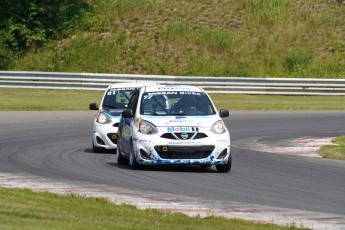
x=182, y=129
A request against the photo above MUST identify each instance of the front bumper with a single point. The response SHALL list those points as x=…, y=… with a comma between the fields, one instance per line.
x=155, y=150
x=104, y=136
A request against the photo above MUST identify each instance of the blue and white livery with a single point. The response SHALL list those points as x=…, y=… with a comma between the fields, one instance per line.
x=173, y=125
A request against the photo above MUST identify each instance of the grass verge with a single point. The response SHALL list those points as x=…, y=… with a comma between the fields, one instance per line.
x=48, y=100
x=33, y=210
x=334, y=151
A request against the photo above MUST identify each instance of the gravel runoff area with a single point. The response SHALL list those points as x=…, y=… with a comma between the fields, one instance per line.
x=303, y=146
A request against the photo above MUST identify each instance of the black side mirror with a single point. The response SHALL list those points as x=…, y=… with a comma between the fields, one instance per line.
x=127, y=113
x=93, y=106
x=224, y=113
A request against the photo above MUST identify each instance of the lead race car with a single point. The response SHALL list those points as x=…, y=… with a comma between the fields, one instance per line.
x=106, y=122
x=166, y=125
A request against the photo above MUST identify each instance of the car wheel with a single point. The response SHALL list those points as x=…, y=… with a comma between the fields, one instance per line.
x=121, y=160
x=225, y=167
x=97, y=149
x=132, y=159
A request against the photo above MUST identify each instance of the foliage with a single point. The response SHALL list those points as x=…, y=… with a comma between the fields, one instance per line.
x=257, y=38
x=297, y=60
x=29, y=23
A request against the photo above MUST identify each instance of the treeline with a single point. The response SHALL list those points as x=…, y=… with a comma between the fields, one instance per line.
x=29, y=23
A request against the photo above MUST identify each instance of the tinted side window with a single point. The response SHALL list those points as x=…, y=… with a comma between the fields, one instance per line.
x=133, y=103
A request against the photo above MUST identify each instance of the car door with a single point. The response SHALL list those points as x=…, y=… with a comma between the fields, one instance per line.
x=126, y=124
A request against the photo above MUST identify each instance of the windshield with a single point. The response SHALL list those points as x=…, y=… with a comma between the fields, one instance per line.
x=176, y=103
x=118, y=98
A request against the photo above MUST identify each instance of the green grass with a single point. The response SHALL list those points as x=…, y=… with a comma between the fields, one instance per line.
x=334, y=151
x=257, y=38
x=30, y=210
x=42, y=99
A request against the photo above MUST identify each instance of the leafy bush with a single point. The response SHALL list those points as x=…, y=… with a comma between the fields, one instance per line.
x=297, y=60
x=29, y=23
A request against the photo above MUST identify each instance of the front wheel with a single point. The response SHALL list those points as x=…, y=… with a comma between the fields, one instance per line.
x=133, y=160
x=225, y=167
x=121, y=160
x=97, y=149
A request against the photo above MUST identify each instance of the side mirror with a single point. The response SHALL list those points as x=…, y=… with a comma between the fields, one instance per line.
x=93, y=106
x=224, y=113
x=127, y=113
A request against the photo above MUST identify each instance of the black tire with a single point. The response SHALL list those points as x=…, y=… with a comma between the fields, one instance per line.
x=97, y=149
x=121, y=160
x=225, y=167
x=132, y=159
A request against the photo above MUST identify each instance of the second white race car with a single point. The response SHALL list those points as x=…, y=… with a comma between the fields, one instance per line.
x=106, y=122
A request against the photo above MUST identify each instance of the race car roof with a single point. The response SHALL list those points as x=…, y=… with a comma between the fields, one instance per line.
x=157, y=88
x=131, y=85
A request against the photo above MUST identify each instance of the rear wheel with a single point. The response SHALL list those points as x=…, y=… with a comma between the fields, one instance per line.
x=225, y=167
x=121, y=160
x=132, y=159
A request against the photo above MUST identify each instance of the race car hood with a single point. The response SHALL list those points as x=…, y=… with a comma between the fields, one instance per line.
x=179, y=121
x=113, y=112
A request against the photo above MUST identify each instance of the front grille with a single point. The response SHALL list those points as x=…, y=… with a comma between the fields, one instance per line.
x=168, y=136
x=184, y=152
x=200, y=135
x=112, y=137
x=183, y=136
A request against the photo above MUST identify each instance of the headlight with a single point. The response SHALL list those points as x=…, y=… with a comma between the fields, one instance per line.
x=146, y=127
x=218, y=127
x=103, y=119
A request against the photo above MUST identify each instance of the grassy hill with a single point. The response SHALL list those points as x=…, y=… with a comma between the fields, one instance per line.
x=259, y=38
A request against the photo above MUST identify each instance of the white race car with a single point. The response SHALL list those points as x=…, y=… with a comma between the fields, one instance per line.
x=106, y=122
x=173, y=125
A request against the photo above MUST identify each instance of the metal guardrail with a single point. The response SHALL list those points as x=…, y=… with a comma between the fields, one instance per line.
x=235, y=85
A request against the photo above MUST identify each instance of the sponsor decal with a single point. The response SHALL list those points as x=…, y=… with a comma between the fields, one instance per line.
x=182, y=129
x=174, y=87
x=190, y=93
x=184, y=143
x=150, y=94
x=181, y=121
x=113, y=91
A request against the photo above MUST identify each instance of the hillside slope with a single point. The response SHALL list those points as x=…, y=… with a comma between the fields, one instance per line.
x=259, y=38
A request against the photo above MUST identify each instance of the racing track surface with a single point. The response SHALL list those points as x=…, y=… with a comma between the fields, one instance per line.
x=58, y=145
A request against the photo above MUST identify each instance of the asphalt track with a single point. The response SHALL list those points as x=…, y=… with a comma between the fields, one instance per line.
x=58, y=145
